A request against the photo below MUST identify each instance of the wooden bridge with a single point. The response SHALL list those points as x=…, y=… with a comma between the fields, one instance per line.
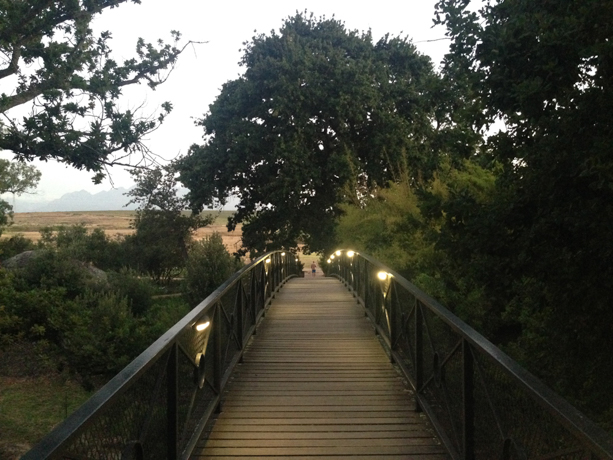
x=317, y=383
x=271, y=365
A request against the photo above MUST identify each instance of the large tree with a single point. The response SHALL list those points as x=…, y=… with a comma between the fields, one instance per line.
x=54, y=65
x=320, y=114
x=163, y=228
x=544, y=246
x=15, y=178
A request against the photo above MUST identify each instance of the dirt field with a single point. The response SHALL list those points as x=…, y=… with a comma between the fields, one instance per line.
x=29, y=224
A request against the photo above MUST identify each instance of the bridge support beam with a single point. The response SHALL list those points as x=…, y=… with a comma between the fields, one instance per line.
x=468, y=397
x=172, y=385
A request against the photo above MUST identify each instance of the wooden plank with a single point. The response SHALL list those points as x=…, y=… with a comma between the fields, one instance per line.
x=316, y=383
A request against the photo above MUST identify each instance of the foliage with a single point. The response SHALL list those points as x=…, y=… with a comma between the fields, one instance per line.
x=16, y=178
x=99, y=334
x=209, y=264
x=55, y=64
x=403, y=225
x=137, y=290
x=320, y=114
x=14, y=245
x=91, y=328
x=50, y=270
x=543, y=246
x=163, y=230
x=94, y=247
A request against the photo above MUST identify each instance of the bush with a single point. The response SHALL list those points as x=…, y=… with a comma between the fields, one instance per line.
x=14, y=245
x=138, y=291
x=209, y=264
x=93, y=247
x=49, y=270
x=98, y=335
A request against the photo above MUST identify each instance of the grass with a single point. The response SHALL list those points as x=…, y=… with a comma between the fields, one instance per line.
x=30, y=408
x=26, y=222
x=29, y=224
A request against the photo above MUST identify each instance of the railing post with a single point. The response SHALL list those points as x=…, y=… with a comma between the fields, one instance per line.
x=379, y=300
x=254, y=296
x=239, y=305
x=419, y=354
x=217, y=362
x=366, y=289
x=172, y=396
x=468, y=402
x=392, y=321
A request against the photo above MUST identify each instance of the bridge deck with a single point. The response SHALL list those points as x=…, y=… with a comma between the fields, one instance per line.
x=316, y=383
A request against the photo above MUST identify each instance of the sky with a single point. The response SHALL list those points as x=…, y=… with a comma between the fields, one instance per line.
x=202, y=69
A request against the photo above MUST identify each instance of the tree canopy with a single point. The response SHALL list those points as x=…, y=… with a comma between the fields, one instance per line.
x=320, y=115
x=164, y=231
x=54, y=64
x=543, y=245
x=16, y=178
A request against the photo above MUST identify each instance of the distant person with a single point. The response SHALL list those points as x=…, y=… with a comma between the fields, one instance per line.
x=313, y=268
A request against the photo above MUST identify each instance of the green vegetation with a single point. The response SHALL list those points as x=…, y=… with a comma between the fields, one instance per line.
x=321, y=114
x=29, y=407
x=330, y=138
x=67, y=76
x=160, y=243
x=17, y=179
x=208, y=265
x=79, y=305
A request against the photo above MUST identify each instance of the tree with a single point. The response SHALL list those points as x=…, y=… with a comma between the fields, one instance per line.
x=163, y=228
x=544, y=246
x=320, y=113
x=209, y=264
x=16, y=178
x=50, y=56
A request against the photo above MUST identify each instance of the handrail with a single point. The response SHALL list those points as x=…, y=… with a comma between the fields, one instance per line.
x=158, y=405
x=481, y=402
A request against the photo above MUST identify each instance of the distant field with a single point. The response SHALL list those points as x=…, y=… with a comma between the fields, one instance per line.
x=112, y=222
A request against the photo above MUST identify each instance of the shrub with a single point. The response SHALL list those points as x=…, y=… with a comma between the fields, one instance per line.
x=14, y=245
x=209, y=264
x=137, y=290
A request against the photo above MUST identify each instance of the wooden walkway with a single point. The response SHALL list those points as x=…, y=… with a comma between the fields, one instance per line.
x=316, y=383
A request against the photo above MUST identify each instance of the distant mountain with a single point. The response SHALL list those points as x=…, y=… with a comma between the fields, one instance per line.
x=111, y=200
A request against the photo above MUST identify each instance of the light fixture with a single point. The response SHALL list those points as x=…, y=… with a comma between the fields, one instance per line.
x=338, y=253
x=202, y=325
x=268, y=260
x=350, y=253
x=382, y=276
x=282, y=254
x=332, y=256
x=329, y=261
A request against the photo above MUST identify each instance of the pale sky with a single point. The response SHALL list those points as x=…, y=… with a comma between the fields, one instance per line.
x=202, y=70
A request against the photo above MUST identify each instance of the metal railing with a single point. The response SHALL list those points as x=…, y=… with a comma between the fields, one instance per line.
x=158, y=405
x=482, y=404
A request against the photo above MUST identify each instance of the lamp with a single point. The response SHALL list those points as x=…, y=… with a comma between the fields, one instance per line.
x=202, y=325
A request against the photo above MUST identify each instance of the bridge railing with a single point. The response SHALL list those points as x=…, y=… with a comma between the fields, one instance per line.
x=482, y=404
x=158, y=405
